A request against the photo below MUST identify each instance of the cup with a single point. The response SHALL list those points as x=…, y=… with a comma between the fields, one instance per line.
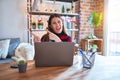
x=88, y=59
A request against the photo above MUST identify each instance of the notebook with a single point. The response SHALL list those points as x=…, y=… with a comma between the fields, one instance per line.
x=54, y=53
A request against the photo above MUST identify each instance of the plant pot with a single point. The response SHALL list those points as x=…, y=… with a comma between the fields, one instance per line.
x=94, y=50
x=40, y=26
x=22, y=67
x=33, y=26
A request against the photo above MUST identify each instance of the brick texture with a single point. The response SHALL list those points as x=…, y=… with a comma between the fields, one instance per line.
x=86, y=8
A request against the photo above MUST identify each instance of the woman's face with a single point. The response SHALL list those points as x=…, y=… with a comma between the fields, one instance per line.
x=57, y=25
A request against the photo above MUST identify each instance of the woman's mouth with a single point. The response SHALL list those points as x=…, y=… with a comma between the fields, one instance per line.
x=58, y=28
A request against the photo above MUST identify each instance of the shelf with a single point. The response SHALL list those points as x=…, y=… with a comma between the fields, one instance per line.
x=65, y=0
x=45, y=30
x=61, y=14
x=33, y=15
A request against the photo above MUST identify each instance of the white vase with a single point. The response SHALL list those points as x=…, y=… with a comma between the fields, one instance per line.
x=40, y=26
x=36, y=4
x=92, y=31
x=33, y=26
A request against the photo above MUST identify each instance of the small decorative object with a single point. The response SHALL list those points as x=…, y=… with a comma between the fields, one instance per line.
x=69, y=25
x=68, y=10
x=94, y=48
x=40, y=25
x=22, y=65
x=63, y=9
x=94, y=20
x=33, y=25
x=91, y=36
x=69, y=22
x=36, y=4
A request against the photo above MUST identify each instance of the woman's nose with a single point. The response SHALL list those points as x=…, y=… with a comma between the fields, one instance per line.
x=57, y=24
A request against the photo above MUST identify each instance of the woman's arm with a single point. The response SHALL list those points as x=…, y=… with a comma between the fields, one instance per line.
x=36, y=37
x=51, y=35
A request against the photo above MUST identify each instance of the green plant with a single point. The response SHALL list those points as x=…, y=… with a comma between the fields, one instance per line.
x=22, y=65
x=40, y=23
x=95, y=19
x=63, y=9
x=68, y=9
x=94, y=46
x=33, y=23
x=22, y=61
x=92, y=37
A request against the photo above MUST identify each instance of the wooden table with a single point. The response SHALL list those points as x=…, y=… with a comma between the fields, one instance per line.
x=105, y=68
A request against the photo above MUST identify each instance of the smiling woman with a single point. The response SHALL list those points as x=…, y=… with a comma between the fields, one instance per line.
x=55, y=31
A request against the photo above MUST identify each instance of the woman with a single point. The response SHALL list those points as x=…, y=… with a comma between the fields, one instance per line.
x=55, y=31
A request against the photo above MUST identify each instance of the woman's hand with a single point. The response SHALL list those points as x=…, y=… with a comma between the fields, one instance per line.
x=52, y=36
x=36, y=37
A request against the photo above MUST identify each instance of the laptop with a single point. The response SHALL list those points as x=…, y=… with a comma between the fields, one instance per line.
x=54, y=53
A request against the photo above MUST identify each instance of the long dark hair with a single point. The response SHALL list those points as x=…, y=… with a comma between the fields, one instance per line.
x=46, y=36
x=50, y=20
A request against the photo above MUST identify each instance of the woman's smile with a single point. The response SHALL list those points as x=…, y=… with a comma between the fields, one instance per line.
x=56, y=25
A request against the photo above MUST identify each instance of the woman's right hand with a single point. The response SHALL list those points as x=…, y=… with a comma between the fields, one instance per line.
x=36, y=37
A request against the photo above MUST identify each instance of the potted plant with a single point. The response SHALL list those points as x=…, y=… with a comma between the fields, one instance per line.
x=68, y=10
x=94, y=47
x=22, y=65
x=40, y=25
x=63, y=9
x=33, y=25
x=94, y=20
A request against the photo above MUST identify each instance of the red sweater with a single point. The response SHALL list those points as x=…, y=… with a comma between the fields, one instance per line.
x=64, y=38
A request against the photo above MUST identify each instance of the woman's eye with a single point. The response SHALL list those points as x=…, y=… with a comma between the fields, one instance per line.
x=54, y=22
x=59, y=22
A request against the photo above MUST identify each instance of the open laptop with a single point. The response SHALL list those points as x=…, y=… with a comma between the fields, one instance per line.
x=54, y=53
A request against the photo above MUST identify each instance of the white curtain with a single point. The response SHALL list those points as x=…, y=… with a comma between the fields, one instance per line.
x=112, y=29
